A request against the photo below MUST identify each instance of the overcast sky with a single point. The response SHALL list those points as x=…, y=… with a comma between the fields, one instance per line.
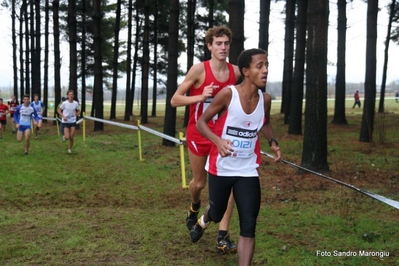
x=355, y=48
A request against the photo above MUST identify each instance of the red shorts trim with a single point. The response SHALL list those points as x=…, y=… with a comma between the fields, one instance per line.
x=199, y=148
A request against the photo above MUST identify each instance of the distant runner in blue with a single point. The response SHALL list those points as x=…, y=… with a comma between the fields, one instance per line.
x=23, y=117
x=39, y=107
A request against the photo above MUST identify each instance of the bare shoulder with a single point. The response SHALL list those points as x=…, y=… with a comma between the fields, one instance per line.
x=224, y=93
x=196, y=75
x=222, y=99
x=196, y=70
x=236, y=72
x=267, y=97
x=267, y=101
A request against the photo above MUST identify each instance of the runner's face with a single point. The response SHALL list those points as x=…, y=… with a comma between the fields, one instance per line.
x=70, y=96
x=220, y=47
x=258, y=70
x=26, y=101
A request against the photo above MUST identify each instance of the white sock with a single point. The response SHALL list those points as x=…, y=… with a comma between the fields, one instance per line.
x=202, y=222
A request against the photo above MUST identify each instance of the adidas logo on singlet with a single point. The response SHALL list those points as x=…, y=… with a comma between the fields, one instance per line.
x=241, y=133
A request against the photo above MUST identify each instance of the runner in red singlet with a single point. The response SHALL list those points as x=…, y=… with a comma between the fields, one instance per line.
x=203, y=81
x=12, y=105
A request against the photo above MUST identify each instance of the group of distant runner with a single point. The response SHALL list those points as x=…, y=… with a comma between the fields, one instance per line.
x=23, y=115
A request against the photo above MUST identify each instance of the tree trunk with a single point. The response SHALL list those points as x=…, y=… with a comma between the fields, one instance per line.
x=27, y=54
x=190, y=32
x=297, y=87
x=288, y=59
x=14, y=50
x=57, y=58
x=367, y=127
x=98, y=69
x=128, y=104
x=32, y=50
x=135, y=57
x=170, y=112
x=236, y=11
x=36, y=63
x=146, y=64
x=264, y=21
x=115, y=60
x=46, y=56
x=155, y=81
x=21, y=51
x=73, y=59
x=190, y=47
x=340, y=84
x=314, y=154
x=384, y=72
x=83, y=60
x=211, y=23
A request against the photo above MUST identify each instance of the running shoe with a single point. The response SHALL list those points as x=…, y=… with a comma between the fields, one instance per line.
x=63, y=138
x=69, y=151
x=226, y=246
x=191, y=218
x=197, y=231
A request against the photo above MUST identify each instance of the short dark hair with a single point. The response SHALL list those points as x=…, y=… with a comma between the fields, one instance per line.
x=218, y=31
x=245, y=58
x=26, y=96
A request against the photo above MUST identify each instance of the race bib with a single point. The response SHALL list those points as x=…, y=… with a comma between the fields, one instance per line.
x=207, y=102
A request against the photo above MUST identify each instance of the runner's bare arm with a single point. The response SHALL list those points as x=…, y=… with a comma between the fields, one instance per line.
x=194, y=77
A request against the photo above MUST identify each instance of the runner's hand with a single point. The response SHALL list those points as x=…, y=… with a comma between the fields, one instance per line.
x=225, y=147
x=208, y=92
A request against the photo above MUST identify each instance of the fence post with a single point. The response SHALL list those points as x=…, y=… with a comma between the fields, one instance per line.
x=182, y=161
x=139, y=140
x=84, y=127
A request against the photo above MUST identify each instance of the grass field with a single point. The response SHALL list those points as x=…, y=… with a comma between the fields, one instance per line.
x=101, y=205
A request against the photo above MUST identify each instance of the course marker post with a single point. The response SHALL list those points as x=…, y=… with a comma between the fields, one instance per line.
x=139, y=140
x=84, y=127
x=182, y=161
